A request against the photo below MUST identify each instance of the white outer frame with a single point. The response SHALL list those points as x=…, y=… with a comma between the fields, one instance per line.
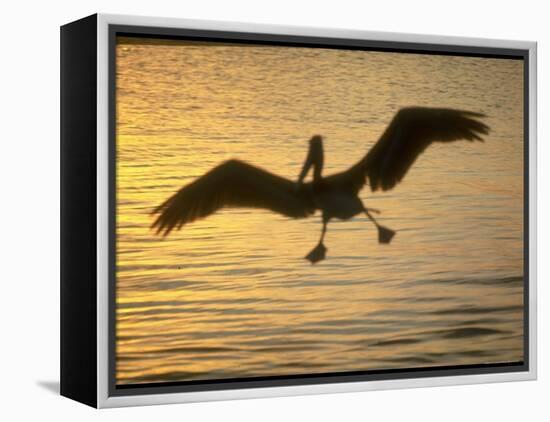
x=103, y=399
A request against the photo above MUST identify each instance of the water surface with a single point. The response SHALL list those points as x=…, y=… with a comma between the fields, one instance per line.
x=232, y=296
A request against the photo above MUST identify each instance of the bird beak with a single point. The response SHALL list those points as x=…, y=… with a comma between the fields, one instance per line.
x=306, y=167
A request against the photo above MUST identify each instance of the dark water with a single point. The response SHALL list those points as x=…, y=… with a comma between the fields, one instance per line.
x=232, y=296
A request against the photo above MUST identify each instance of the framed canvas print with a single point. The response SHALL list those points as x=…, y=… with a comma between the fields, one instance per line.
x=252, y=210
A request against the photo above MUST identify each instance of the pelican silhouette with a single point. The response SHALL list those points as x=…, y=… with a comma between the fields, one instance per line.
x=235, y=183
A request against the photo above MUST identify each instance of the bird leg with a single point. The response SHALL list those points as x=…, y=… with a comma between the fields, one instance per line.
x=374, y=210
x=385, y=235
x=318, y=253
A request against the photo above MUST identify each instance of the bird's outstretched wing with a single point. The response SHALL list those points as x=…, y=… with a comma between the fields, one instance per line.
x=410, y=132
x=232, y=184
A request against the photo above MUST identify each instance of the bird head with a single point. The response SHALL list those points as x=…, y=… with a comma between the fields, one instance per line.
x=314, y=159
x=316, y=142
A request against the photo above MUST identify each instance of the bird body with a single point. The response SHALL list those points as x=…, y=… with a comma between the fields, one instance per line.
x=235, y=183
x=338, y=204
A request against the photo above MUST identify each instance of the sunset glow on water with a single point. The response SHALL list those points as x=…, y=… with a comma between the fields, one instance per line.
x=232, y=296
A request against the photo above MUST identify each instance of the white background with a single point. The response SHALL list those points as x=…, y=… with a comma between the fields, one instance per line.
x=29, y=234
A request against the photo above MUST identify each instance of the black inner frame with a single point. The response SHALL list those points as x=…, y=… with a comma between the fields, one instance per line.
x=163, y=33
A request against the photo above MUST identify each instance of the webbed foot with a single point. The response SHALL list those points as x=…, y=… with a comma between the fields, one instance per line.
x=385, y=235
x=317, y=254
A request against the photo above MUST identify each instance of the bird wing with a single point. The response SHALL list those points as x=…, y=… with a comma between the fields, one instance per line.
x=410, y=132
x=232, y=184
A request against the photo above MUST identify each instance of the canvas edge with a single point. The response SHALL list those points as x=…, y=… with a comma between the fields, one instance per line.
x=533, y=169
x=103, y=399
x=78, y=282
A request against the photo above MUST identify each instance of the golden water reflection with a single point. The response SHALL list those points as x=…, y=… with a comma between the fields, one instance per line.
x=232, y=296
